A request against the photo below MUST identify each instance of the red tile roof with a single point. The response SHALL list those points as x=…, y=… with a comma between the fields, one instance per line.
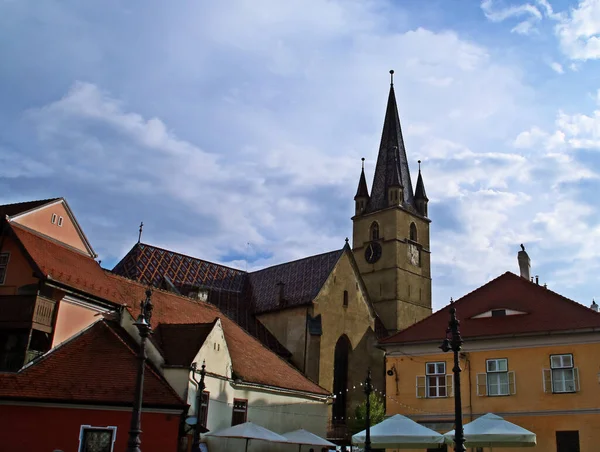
x=546, y=311
x=21, y=207
x=251, y=360
x=98, y=366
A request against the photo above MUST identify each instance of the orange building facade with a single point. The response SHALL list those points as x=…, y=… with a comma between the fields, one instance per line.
x=529, y=355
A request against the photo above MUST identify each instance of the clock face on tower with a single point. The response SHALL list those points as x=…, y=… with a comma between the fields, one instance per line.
x=414, y=255
x=373, y=252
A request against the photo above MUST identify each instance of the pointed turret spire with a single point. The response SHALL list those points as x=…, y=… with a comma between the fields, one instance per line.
x=392, y=165
x=362, y=192
x=421, y=198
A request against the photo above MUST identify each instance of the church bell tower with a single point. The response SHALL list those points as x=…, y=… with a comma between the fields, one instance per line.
x=390, y=237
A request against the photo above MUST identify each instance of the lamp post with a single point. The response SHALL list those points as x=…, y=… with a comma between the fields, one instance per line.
x=143, y=325
x=200, y=385
x=454, y=342
x=368, y=391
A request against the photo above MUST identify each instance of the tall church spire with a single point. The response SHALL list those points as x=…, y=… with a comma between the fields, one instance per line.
x=392, y=165
x=421, y=198
x=362, y=192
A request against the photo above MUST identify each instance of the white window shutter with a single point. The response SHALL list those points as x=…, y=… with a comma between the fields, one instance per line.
x=482, y=384
x=421, y=393
x=512, y=382
x=547, y=379
x=576, y=379
x=450, y=385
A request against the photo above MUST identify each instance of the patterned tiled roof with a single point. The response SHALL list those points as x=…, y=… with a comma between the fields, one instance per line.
x=392, y=164
x=302, y=280
x=97, y=366
x=150, y=264
x=21, y=207
x=545, y=311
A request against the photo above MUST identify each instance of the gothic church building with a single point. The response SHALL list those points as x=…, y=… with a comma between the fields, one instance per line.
x=324, y=314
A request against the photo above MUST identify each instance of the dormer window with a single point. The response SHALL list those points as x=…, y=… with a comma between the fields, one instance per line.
x=374, y=231
x=498, y=312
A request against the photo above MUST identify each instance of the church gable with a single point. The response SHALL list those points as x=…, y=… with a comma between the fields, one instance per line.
x=53, y=219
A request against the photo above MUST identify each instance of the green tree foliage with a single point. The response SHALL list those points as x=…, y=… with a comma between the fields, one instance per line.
x=360, y=413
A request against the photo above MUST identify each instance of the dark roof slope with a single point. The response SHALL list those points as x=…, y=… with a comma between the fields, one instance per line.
x=392, y=164
x=546, y=311
x=302, y=280
x=97, y=366
x=21, y=207
x=149, y=264
x=180, y=343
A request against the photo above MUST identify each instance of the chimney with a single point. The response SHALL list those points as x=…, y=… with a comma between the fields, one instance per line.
x=594, y=306
x=524, y=263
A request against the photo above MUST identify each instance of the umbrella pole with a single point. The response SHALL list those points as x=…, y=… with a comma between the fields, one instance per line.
x=247, y=439
x=299, y=447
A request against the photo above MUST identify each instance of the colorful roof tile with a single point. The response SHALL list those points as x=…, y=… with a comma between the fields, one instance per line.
x=97, y=366
x=544, y=311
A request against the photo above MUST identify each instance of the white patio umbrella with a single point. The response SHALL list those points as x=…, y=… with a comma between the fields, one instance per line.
x=249, y=431
x=400, y=432
x=491, y=430
x=303, y=437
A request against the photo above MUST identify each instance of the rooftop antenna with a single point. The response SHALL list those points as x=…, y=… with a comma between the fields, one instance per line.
x=363, y=163
x=140, y=234
x=392, y=77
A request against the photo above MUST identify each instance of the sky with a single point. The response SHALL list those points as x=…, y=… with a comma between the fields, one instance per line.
x=234, y=129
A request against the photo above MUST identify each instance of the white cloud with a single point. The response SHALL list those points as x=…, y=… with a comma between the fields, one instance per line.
x=579, y=31
x=557, y=67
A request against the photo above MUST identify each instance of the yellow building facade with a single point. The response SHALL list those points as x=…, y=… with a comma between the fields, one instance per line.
x=529, y=355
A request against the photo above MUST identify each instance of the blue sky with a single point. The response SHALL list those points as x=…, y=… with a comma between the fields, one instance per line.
x=234, y=129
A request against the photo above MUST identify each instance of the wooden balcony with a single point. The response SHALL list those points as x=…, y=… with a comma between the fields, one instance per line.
x=27, y=311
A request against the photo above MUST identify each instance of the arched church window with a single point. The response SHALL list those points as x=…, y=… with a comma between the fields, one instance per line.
x=374, y=231
x=413, y=232
x=345, y=298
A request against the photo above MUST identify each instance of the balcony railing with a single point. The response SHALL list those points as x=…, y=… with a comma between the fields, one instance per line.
x=26, y=311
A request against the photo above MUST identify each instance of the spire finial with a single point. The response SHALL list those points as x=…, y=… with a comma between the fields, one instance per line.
x=363, y=163
x=419, y=162
x=392, y=77
x=140, y=234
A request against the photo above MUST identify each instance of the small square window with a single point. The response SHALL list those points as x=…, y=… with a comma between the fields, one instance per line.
x=97, y=439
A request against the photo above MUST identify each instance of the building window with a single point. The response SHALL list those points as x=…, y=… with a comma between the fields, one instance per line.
x=345, y=298
x=205, y=398
x=97, y=439
x=497, y=380
x=374, y=231
x=563, y=375
x=60, y=221
x=4, y=257
x=413, y=232
x=240, y=411
x=497, y=376
x=53, y=220
x=498, y=312
x=436, y=379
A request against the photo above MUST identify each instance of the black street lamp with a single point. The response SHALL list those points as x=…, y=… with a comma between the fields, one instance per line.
x=368, y=391
x=454, y=342
x=200, y=389
x=143, y=325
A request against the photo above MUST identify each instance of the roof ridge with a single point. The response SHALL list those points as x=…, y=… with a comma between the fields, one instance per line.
x=297, y=260
x=186, y=255
x=45, y=201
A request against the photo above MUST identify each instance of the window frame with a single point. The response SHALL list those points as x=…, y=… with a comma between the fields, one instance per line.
x=562, y=369
x=60, y=221
x=83, y=428
x=413, y=233
x=346, y=298
x=440, y=377
x=233, y=411
x=53, y=218
x=4, y=265
x=497, y=372
x=374, y=231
